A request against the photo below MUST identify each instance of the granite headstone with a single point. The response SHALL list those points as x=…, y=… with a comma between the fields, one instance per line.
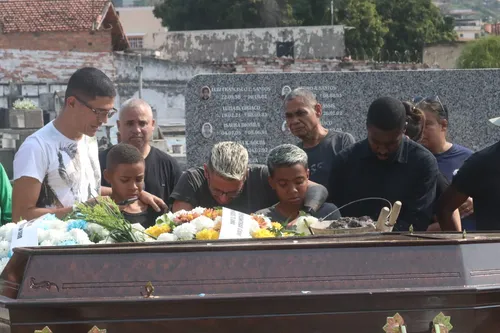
x=248, y=108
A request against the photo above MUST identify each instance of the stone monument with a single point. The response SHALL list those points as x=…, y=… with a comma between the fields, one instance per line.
x=248, y=108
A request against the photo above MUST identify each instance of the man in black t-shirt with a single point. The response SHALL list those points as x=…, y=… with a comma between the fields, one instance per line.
x=478, y=178
x=303, y=113
x=136, y=126
x=386, y=165
x=227, y=180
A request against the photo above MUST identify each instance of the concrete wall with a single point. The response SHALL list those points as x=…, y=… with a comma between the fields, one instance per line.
x=443, y=55
x=83, y=41
x=321, y=42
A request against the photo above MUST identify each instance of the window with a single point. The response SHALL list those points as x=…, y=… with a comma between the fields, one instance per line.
x=135, y=42
x=285, y=49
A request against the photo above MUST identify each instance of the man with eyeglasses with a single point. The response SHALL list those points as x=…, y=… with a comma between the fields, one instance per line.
x=57, y=166
x=227, y=180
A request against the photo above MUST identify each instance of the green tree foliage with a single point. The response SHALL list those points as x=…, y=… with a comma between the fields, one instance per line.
x=366, y=37
x=223, y=14
x=413, y=23
x=396, y=26
x=481, y=53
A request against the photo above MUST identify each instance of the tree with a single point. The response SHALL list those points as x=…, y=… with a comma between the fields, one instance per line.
x=223, y=14
x=481, y=53
x=365, y=28
x=412, y=24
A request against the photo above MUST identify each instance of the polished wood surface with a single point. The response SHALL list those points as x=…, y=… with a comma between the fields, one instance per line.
x=315, y=284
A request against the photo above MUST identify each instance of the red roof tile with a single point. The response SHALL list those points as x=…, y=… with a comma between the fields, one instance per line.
x=50, y=15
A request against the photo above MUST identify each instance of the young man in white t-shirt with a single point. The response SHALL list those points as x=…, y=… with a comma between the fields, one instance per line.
x=58, y=166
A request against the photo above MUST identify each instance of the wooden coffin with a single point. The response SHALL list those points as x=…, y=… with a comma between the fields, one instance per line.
x=342, y=284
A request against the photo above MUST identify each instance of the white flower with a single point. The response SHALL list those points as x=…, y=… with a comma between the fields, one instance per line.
x=185, y=231
x=218, y=219
x=57, y=236
x=4, y=249
x=165, y=218
x=43, y=235
x=53, y=225
x=93, y=228
x=80, y=237
x=303, y=222
x=254, y=226
x=138, y=232
x=198, y=210
x=6, y=231
x=202, y=222
x=167, y=237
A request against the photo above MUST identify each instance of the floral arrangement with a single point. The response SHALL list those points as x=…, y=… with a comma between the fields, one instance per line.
x=24, y=104
x=205, y=224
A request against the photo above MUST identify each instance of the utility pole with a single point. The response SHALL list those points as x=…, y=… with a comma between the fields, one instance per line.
x=139, y=70
x=331, y=10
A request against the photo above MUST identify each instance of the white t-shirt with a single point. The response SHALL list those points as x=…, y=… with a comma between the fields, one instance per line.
x=67, y=169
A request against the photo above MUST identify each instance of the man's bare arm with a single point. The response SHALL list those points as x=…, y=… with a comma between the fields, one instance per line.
x=179, y=205
x=448, y=203
x=24, y=197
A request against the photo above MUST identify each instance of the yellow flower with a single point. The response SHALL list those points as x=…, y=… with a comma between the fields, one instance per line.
x=263, y=233
x=277, y=225
x=207, y=234
x=287, y=234
x=157, y=230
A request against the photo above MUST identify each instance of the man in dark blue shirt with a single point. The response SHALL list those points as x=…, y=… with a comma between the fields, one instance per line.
x=387, y=165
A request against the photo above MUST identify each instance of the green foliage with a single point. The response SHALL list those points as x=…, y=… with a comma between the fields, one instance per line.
x=106, y=213
x=396, y=26
x=224, y=14
x=481, y=53
x=413, y=23
x=367, y=37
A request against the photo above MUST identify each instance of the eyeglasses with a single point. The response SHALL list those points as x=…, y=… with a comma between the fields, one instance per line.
x=443, y=113
x=220, y=193
x=99, y=112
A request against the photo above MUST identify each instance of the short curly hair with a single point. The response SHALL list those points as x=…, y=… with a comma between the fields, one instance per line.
x=123, y=153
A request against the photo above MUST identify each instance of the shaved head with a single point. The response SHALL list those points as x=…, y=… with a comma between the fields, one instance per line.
x=135, y=103
x=136, y=124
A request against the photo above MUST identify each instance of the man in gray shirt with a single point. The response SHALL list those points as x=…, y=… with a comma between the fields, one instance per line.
x=303, y=113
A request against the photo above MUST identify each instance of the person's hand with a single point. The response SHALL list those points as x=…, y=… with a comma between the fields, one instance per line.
x=152, y=200
x=467, y=208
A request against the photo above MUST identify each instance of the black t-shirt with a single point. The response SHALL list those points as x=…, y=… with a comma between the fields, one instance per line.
x=320, y=157
x=162, y=173
x=146, y=218
x=256, y=194
x=479, y=178
x=410, y=177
